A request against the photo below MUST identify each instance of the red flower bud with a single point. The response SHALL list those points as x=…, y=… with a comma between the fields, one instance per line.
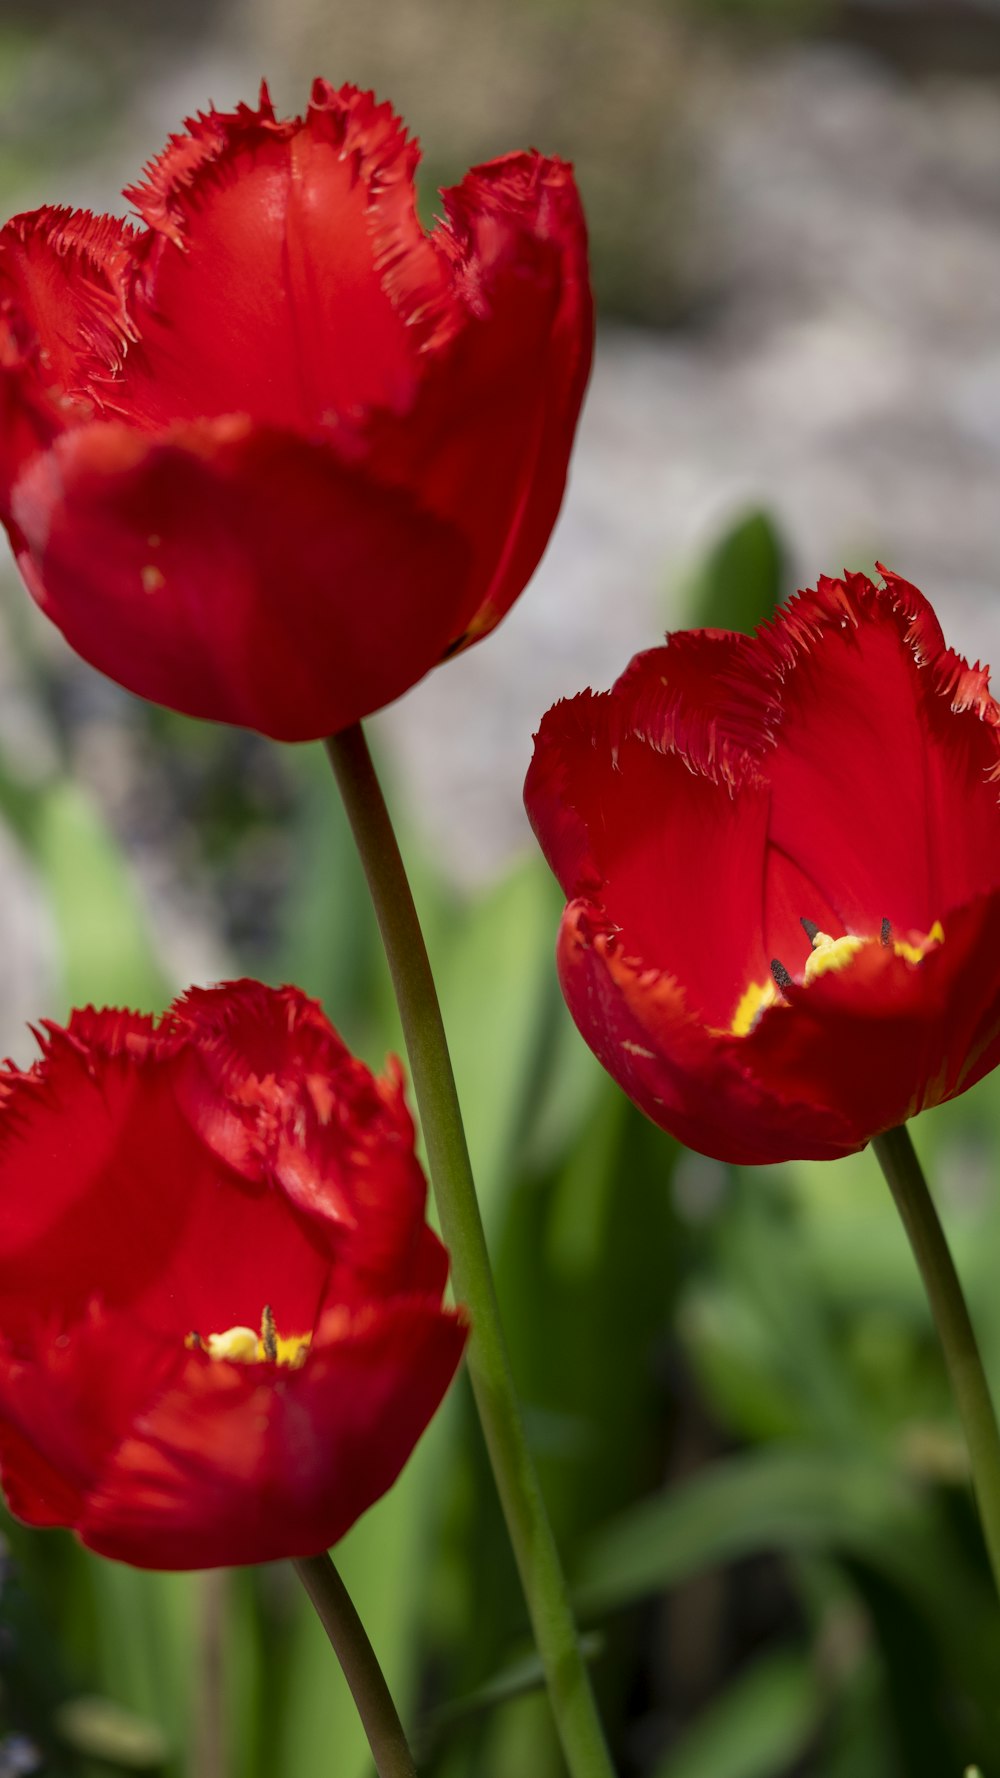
x=783, y=853
x=221, y=1330
x=271, y=457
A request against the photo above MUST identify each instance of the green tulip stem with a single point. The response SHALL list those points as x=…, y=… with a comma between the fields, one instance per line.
x=903, y=1172
x=349, y=1641
x=535, y=1552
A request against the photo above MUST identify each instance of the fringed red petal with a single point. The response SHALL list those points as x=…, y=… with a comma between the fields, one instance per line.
x=162, y=196
x=883, y=1038
x=517, y=244
x=63, y=325
x=232, y=1466
x=286, y=273
x=681, y=1073
x=65, y=272
x=159, y=558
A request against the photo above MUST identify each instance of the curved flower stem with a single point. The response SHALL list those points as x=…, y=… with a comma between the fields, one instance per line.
x=902, y=1169
x=530, y=1533
x=350, y=1644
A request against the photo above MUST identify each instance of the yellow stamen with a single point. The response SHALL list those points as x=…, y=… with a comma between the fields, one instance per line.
x=827, y=953
x=238, y=1344
x=917, y=953
x=756, y=998
x=241, y=1345
x=291, y=1349
x=830, y=953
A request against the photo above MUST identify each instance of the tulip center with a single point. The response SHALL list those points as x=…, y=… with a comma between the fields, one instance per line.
x=241, y=1345
x=826, y=954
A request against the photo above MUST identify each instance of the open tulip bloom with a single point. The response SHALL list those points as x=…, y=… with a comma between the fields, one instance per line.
x=783, y=859
x=221, y=1326
x=273, y=455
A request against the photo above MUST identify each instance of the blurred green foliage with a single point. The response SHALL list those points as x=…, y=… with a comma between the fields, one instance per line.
x=731, y=1382
x=742, y=578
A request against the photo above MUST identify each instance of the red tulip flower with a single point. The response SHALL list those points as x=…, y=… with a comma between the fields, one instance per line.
x=272, y=456
x=783, y=854
x=221, y=1329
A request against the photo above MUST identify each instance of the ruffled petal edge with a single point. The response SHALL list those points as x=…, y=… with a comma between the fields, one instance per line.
x=717, y=697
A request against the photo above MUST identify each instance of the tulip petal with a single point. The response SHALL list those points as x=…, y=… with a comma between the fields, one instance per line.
x=64, y=1408
x=128, y=1205
x=237, y=574
x=36, y=1491
x=64, y=273
x=877, y=743
x=489, y=435
x=685, y=890
x=522, y=245
x=273, y=1091
x=234, y=1465
x=883, y=1037
x=62, y=322
x=680, y=1073
x=286, y=273
x=881, y=786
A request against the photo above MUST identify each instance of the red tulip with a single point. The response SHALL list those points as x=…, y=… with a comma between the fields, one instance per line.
x=221, y=1329
x=783, y=853
x=273, y=456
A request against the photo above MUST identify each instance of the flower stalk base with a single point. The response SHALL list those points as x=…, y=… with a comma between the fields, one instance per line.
x=350, y=1644
x=513, y=1467
x=899, y=1163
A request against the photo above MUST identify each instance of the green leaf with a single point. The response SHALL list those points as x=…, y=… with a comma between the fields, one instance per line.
x=757, y=1728
x=497, y=985
x=785, y=1499
x=743, y=579
x=515, y=1680
x=147, y=1644
x=107, y=952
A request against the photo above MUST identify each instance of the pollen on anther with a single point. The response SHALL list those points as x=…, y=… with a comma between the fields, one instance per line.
x=886, y=932
x=810, y=929
x=782, y=979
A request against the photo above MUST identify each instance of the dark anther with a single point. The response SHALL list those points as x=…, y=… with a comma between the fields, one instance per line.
x=810, y=929
x=194, y=1340
x=781, y=976
x=269, y=1335
x=886, y=932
